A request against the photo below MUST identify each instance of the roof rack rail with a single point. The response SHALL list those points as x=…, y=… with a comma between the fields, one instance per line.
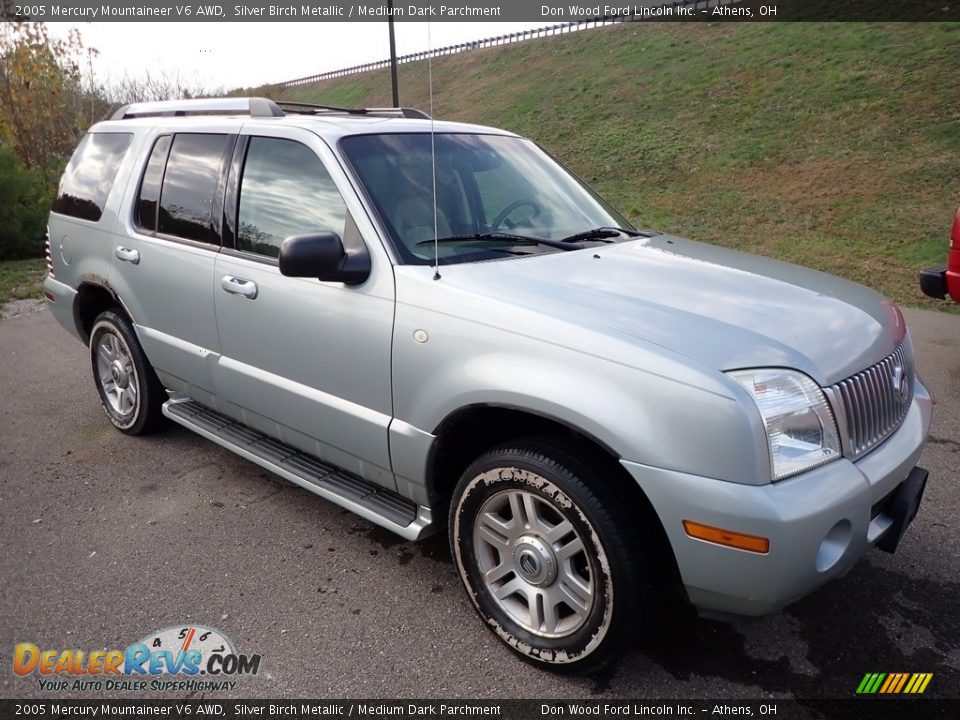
x=252, y=106
x=302, y=108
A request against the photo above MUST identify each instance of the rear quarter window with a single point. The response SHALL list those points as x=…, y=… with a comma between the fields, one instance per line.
x=148, y=199
x=190, y=185
x=85, y=184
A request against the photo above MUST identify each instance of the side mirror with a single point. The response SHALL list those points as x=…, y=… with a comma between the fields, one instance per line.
x=322, y=256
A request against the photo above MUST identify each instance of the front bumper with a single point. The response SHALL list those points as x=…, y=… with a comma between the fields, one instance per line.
x=933, y=282
x=940, y=281
x=818, y=523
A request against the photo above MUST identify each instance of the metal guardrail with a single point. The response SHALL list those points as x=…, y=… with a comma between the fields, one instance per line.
x=509, y=38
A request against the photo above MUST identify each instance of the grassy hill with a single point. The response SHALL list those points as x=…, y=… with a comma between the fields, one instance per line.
x=832, y=145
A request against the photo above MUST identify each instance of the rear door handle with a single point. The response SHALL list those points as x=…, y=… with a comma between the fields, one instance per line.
x=128, y=254
x=239, y=286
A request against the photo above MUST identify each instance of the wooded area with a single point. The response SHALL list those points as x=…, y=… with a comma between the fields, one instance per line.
x=49, y=96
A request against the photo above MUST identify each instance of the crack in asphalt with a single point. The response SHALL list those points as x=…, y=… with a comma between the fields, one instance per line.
x=267, y=496
x=953, y=445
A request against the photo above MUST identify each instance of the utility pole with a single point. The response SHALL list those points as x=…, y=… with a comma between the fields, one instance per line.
x=393, y=55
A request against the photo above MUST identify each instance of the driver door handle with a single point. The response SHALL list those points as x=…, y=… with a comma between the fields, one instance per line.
x=128, y=254
x=239, y=286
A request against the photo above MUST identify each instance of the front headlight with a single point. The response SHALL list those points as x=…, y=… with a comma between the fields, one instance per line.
x=801, y=430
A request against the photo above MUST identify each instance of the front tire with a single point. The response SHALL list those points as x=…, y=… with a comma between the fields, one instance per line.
x=129, y=390
x=547, y=555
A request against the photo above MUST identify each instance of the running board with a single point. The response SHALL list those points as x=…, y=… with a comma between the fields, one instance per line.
x=368, y=500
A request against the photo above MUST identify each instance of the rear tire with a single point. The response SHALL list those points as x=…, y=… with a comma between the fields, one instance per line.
x=129, y=390
x=548, y=555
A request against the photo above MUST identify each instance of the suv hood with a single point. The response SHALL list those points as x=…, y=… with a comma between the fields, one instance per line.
x=724, y=308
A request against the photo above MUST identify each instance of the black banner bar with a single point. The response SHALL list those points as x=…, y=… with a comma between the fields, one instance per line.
x=225, y=709
x=545, y=11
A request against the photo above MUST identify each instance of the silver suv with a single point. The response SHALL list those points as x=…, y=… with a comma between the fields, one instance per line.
x=436, y=324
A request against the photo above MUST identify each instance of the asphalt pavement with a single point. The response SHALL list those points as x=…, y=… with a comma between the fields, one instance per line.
x=105, y=539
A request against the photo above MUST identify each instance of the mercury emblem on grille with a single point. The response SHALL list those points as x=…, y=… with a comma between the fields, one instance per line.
x=899, y=382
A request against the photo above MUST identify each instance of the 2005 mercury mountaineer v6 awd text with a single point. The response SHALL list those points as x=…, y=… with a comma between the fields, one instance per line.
x=435, y=324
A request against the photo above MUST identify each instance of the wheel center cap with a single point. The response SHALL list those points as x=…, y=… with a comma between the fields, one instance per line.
x=119, y=375
x=534, y=561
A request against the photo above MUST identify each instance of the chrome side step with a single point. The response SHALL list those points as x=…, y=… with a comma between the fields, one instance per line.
x=368, y=500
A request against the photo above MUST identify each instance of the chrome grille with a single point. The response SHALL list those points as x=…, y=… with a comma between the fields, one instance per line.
x=874, y=402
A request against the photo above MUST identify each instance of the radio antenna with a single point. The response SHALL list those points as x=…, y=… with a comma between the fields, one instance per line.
x=433, y=159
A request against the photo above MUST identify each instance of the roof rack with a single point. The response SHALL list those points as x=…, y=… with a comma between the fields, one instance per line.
x=252, y=106
x=301, y=108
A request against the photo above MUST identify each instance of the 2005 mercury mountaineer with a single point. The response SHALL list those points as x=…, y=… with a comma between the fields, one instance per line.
x=436, y=322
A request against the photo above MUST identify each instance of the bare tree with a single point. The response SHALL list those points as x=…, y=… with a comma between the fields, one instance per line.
x=150, y=86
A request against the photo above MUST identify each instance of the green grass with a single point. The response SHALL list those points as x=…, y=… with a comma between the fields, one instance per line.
x=833, y=145
x=20, y=279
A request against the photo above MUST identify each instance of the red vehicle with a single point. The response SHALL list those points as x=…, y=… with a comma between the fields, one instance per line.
x=939, y=281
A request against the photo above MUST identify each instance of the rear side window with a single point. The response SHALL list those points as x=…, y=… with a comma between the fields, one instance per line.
x=149, y=198
x=89, y=176
x=189, y=186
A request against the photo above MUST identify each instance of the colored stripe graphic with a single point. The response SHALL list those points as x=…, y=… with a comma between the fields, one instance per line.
x=903, y=680
x=894, y=683
x=866, y=684
x=891, y=678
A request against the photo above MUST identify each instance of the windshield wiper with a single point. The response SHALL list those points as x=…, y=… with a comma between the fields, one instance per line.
x=600, y=233
x=503, y=237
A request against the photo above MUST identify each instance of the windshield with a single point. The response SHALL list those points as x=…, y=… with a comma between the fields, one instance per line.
x=485, y=184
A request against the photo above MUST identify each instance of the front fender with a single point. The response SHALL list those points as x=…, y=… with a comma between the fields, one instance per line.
x=666, y=414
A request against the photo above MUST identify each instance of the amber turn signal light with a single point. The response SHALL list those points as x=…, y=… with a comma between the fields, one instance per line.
x=741, y=541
